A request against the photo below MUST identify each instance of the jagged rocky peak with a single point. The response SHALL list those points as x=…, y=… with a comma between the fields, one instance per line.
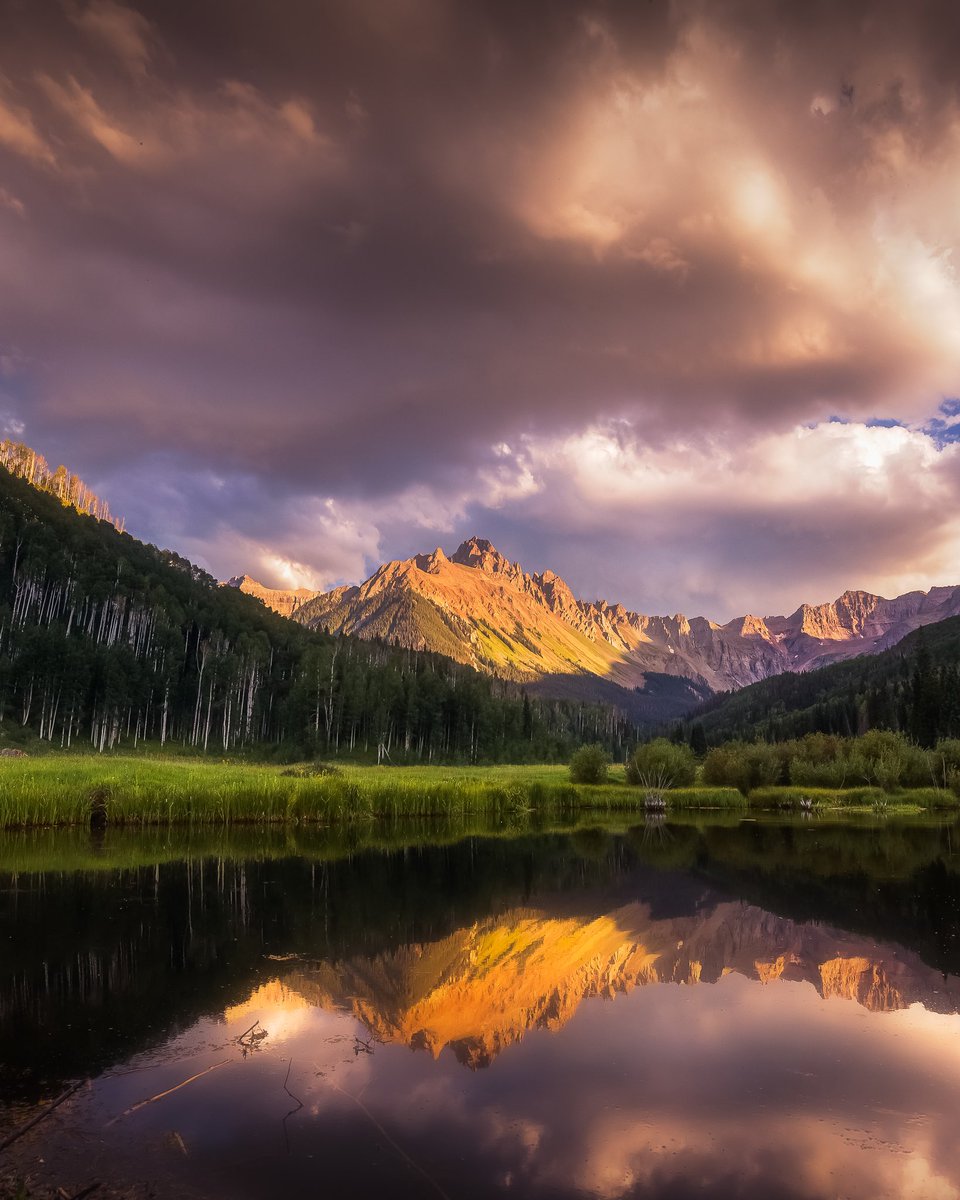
x=748, y=626
x=484, y=556
x=555, y=591
x=433, y=563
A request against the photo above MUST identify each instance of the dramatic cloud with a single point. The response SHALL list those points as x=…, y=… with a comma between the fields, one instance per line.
x=595, y=275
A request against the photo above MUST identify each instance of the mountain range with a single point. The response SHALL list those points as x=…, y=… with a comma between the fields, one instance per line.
x=478, y=607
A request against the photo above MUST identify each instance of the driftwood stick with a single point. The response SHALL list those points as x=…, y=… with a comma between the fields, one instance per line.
x=18, y=1133
x=287, y=1090
x=399, y=1149
x=87, y=1191
x=169, y=1092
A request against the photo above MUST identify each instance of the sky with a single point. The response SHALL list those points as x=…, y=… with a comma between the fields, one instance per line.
x=662, y=296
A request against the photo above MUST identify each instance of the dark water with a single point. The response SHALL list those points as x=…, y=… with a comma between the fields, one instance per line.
x=754, y=1009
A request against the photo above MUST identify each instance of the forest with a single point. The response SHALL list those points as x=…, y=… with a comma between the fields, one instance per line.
x=107, y=642
x=913, y=688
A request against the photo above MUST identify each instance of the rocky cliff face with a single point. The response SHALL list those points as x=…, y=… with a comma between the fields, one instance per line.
x=484, y=987
x=284, y=602
x=480, y=608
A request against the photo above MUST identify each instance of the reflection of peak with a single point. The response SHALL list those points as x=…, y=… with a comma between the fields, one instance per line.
x=484, y=987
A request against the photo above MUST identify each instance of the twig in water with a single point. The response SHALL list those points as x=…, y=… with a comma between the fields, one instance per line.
x=87, y=1191
x=169, y=1092
x=287, y=1090
x=399, y=1149
x=286, y=1136
x=254, y=1037
x=18, y=1133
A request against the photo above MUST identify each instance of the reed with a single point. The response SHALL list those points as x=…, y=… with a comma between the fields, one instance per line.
x=861, y=797
x=80, y=790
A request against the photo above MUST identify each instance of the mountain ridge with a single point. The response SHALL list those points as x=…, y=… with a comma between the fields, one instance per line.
x=481, y=608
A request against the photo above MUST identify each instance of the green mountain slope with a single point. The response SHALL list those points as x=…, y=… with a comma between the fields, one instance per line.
x=108, y=642
x=913, y=688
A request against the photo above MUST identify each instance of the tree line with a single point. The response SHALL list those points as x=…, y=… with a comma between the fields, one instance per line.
x=912, y=688
x=108, y=642
x=69, y=489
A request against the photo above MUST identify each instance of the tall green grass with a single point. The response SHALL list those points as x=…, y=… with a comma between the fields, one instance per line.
x=794, y=797
x=138, y=792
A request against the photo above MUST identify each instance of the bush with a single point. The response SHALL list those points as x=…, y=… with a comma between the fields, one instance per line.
x=945, y=764
x=660, y=765
x=889, y=761
x=742, y=765
x=589, y=765
x=833, y=773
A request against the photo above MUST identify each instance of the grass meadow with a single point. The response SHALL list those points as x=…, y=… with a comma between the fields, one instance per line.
x=81, y=790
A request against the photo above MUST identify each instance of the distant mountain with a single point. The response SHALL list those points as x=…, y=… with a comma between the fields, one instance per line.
x=284, y=602
x=913, y=688
x=480, y=608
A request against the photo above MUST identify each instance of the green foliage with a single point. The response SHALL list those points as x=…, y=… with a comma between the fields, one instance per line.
x=912, y=688
x=110, y=643
x=661, y=764
x=590, y=764
x=815, y=797
x=742, y=765
x=703, y=797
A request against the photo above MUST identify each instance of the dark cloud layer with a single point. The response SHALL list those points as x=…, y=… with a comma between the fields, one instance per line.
x=379, y=268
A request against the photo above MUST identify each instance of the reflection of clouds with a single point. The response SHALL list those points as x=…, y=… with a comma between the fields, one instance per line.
x=736, y=1089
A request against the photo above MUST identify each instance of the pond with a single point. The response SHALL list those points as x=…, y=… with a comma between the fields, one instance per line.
x=710, y=1008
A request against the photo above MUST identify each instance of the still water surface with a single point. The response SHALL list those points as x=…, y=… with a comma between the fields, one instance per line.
x=730, y=1009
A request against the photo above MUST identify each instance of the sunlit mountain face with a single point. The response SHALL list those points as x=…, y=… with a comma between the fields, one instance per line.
x=712, y=1009
x=480, y=608
x=661, y=297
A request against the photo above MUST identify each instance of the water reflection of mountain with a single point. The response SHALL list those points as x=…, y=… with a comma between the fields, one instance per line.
x=98, y=965
x=482, y=988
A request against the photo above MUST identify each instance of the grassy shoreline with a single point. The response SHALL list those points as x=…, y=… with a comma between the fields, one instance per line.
x=75, y=790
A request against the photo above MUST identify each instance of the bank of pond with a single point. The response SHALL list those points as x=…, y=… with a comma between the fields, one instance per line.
x=94, y=792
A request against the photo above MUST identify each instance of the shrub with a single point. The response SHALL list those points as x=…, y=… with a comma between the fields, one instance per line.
x=660, y=765
x=828, y=774
x=945, y=764
x=742, y=765
x=889, y=761
x=589, y=765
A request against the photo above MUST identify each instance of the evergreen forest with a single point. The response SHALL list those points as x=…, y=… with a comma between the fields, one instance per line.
x=106, y=642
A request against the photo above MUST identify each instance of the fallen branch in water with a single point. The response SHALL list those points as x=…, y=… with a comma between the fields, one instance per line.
x=169, y=1092
x=287, y=1090
x=87, y=1191
x=254, y=1038
x=399, y=1149
x=18, y=1133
